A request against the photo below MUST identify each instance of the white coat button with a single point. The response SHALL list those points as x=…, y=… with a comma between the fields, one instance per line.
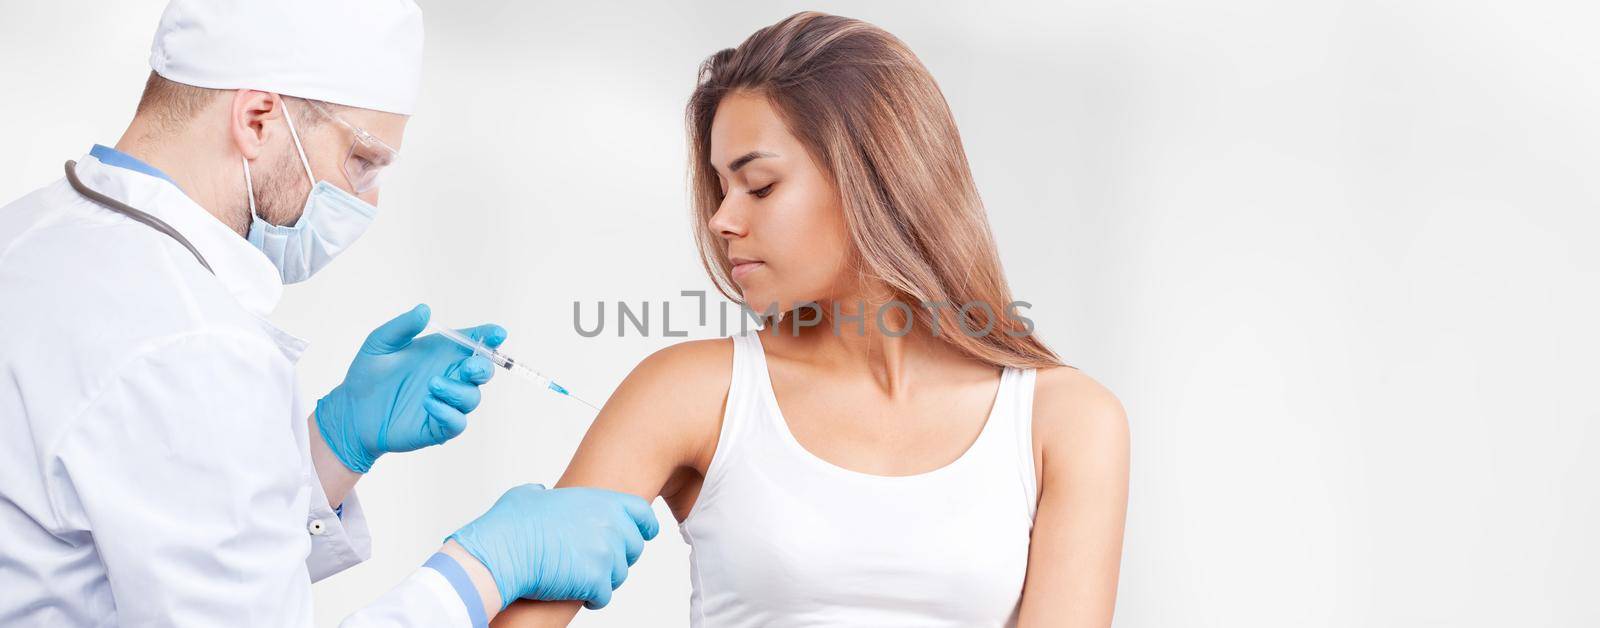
x=316, y=527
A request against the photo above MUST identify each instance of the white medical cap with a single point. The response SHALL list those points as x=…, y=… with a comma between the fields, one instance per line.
x=360, y=53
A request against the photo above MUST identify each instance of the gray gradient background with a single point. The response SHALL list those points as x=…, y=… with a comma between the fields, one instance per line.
x=1337, y=259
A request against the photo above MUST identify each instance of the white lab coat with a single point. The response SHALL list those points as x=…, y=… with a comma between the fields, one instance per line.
x=154, y=467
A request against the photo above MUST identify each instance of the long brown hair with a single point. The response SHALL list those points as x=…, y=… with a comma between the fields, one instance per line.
x=868, y=111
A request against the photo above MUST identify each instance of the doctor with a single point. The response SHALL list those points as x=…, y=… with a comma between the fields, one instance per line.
x=156, y=464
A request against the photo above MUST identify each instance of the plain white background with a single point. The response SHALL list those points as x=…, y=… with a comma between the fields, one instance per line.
x=1336, y=258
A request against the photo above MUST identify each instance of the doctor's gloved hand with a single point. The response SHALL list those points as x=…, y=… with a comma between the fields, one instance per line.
x=404, y=393
x=560, y=544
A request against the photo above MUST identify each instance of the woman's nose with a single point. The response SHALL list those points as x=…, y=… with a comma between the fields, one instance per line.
x=727, y=223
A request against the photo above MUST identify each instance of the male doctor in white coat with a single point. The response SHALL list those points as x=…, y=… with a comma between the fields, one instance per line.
x=157, y=466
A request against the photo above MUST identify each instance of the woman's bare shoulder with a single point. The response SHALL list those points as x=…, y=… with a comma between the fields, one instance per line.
x=1076, y=415
x=712, y=353
x=693, y=375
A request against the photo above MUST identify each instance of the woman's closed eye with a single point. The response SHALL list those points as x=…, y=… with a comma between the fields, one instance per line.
x=763, y=192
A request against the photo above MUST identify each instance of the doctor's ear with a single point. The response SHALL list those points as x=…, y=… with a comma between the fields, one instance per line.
x=248, y=120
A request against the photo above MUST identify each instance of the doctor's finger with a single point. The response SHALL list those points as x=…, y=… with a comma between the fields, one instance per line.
x=476, y=370
x=619, y=568
x=459, y=395
x=450, y=421
x=398, y=332
x=642, y=514
x=599, y=596
x=490, y=334
x=632, y=539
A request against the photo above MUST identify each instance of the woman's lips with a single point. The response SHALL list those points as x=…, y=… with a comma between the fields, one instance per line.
x=744, y=267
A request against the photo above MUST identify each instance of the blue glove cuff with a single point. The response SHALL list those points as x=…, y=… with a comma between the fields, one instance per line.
x=341, y=437
x=462, y=583
x=467, y=541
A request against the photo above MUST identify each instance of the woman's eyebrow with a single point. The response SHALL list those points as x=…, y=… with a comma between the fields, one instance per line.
x=736, y=164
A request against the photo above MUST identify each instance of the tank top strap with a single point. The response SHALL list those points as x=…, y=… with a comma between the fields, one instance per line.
x=743, y=407
x=1021, y=403
x=1005, y=447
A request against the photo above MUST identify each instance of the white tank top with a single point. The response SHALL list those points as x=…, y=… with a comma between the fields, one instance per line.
x=780, y=537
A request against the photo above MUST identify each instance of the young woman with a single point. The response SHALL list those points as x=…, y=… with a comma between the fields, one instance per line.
x=894, y=448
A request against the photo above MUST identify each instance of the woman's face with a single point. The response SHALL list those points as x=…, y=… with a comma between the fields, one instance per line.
x=781, y=215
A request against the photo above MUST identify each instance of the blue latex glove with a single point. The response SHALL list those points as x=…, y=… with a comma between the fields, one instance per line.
x=560, y=544
x=404, y=393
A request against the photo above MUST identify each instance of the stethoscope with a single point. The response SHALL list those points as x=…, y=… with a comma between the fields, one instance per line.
x=123, y=208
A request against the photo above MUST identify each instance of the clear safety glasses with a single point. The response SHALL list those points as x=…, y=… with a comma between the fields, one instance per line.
x=368, y=156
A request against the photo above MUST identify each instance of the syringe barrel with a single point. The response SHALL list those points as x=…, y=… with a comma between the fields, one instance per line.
x=526, y=373
x=503, y=361
x=478, y=348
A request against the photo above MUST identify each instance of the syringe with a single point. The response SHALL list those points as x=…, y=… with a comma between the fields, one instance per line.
x=506, y=362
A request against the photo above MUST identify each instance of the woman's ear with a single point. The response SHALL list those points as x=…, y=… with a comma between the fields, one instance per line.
x=248, y=115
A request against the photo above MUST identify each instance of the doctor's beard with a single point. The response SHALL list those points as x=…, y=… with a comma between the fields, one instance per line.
x=281, y=191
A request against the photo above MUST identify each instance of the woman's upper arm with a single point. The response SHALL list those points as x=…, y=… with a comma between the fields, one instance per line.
x=661, y=419
x=1076, y=550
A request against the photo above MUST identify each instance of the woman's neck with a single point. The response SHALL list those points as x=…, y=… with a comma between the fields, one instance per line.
x=861, y=335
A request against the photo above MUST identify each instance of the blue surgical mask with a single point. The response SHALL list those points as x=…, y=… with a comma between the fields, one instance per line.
x=331, y=220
